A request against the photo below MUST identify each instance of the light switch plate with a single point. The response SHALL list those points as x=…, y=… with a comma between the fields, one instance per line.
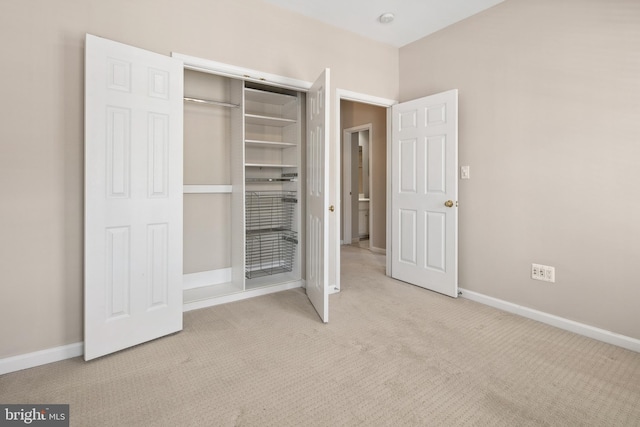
x=465, y=172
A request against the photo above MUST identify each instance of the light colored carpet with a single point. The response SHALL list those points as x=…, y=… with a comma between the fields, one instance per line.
x=392, y=355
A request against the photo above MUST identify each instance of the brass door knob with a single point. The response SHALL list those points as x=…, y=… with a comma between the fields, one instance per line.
x=331, y=208
x=449, y=203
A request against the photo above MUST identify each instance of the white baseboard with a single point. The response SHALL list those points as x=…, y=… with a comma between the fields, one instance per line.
x=42, y=357
x=378, y=250
x=603, y=335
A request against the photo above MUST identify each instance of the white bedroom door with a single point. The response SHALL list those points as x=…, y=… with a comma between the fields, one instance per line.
x=424, y=185
x=133, y=196
x=317, y=199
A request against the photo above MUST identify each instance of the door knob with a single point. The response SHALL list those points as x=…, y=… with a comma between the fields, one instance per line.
x=331, y=208
x=449, y=203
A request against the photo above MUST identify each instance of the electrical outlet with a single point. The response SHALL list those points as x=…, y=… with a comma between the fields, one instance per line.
x=546, y=273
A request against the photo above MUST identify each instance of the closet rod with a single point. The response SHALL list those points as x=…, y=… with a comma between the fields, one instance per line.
x=207, y=101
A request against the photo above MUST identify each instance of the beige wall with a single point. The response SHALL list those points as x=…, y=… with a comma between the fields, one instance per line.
x=550, y=125
x=354, y=114
x=41, y=148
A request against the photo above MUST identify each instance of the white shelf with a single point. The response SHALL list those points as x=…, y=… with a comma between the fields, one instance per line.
x=255, y=119
x=207, y=189
x=266, y=165
x=199, y=101
x=268, y=97
x=266, y=144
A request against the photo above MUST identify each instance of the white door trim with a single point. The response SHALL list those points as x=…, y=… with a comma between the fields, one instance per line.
x=389, y=209
x=347, y=95
x=241, y=73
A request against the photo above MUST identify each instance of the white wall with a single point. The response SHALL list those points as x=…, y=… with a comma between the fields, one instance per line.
x=549, y=94
x=41, y=149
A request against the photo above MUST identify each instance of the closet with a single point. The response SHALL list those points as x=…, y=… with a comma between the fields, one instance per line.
x=204, y=184
x=243, y=183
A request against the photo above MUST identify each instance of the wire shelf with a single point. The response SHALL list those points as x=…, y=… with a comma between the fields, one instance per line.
x=270, y=240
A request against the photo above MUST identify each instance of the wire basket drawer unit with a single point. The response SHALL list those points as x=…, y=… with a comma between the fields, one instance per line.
x=270, y=239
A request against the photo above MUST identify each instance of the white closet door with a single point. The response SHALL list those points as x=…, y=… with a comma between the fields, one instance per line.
x=133, y=196
x=424, y=185
x=317, y=284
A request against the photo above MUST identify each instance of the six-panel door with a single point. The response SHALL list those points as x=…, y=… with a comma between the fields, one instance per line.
x=133, y=196
x=424, y=193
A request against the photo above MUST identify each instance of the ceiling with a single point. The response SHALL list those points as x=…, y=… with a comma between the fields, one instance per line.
x=414, y=19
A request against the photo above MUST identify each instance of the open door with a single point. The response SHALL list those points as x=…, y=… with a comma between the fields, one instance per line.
x=318, y=99
x=424, y=186
x=133, y=196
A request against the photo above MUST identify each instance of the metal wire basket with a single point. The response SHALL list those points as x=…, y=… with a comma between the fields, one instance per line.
x=270, y=239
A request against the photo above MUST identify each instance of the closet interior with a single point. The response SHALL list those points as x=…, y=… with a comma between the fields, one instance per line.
x=243, y=186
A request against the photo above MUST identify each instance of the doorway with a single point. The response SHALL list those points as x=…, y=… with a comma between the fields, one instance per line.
x=356, y=184
x=363, y=162
x=349, y=111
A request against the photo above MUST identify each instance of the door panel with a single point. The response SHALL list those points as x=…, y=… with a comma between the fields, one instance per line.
x=436, y=160
x=133, y=196
x=423, y=177
x=435, y=238
x=317, y=281
x=407, y=166
x=408, y=237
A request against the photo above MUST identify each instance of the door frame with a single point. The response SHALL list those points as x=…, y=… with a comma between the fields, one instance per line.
x=220, y=68
x=347, y=95
x=346, y=219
